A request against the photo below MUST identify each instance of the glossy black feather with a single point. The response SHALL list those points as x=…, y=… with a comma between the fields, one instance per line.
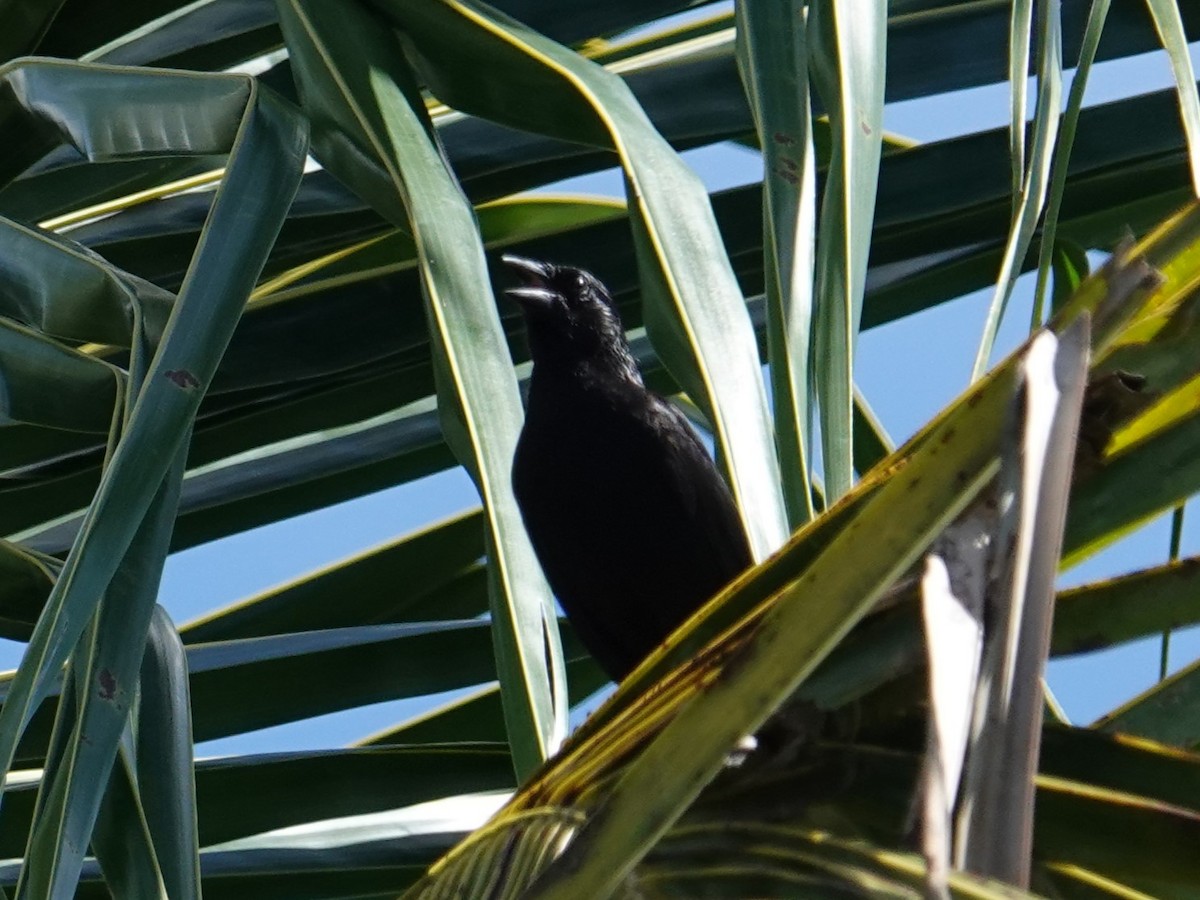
x=631, y=522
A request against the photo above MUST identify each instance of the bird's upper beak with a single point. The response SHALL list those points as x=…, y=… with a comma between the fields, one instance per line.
x=535, y=291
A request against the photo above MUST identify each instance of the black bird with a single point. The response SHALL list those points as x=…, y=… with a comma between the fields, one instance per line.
x=631, y=522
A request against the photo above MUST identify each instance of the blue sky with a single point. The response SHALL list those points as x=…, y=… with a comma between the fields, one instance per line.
x=907, y=370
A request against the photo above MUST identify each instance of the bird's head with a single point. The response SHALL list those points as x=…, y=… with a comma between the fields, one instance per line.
x=570, y=315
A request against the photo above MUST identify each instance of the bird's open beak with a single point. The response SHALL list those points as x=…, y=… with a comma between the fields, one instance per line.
x=535, y=292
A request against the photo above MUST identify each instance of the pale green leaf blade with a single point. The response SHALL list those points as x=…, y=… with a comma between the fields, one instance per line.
x=1035, y=182
x=165, y=765
x=363, y=84
x=849, y=42
x=773, y=61
x=1169, y=24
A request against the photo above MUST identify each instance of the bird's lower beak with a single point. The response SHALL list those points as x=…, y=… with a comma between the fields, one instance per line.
x=535, y=292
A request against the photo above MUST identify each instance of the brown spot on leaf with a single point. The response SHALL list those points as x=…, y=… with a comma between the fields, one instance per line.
x=108, y=684
x=183, y=378
x=781, y=138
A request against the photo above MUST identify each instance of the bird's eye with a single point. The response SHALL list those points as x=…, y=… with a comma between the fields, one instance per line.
x=581, y=281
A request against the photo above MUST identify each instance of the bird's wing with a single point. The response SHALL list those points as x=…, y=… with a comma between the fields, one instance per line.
x=690, y=472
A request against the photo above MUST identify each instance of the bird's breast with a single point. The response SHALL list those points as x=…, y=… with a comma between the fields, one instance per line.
x=579, y=453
